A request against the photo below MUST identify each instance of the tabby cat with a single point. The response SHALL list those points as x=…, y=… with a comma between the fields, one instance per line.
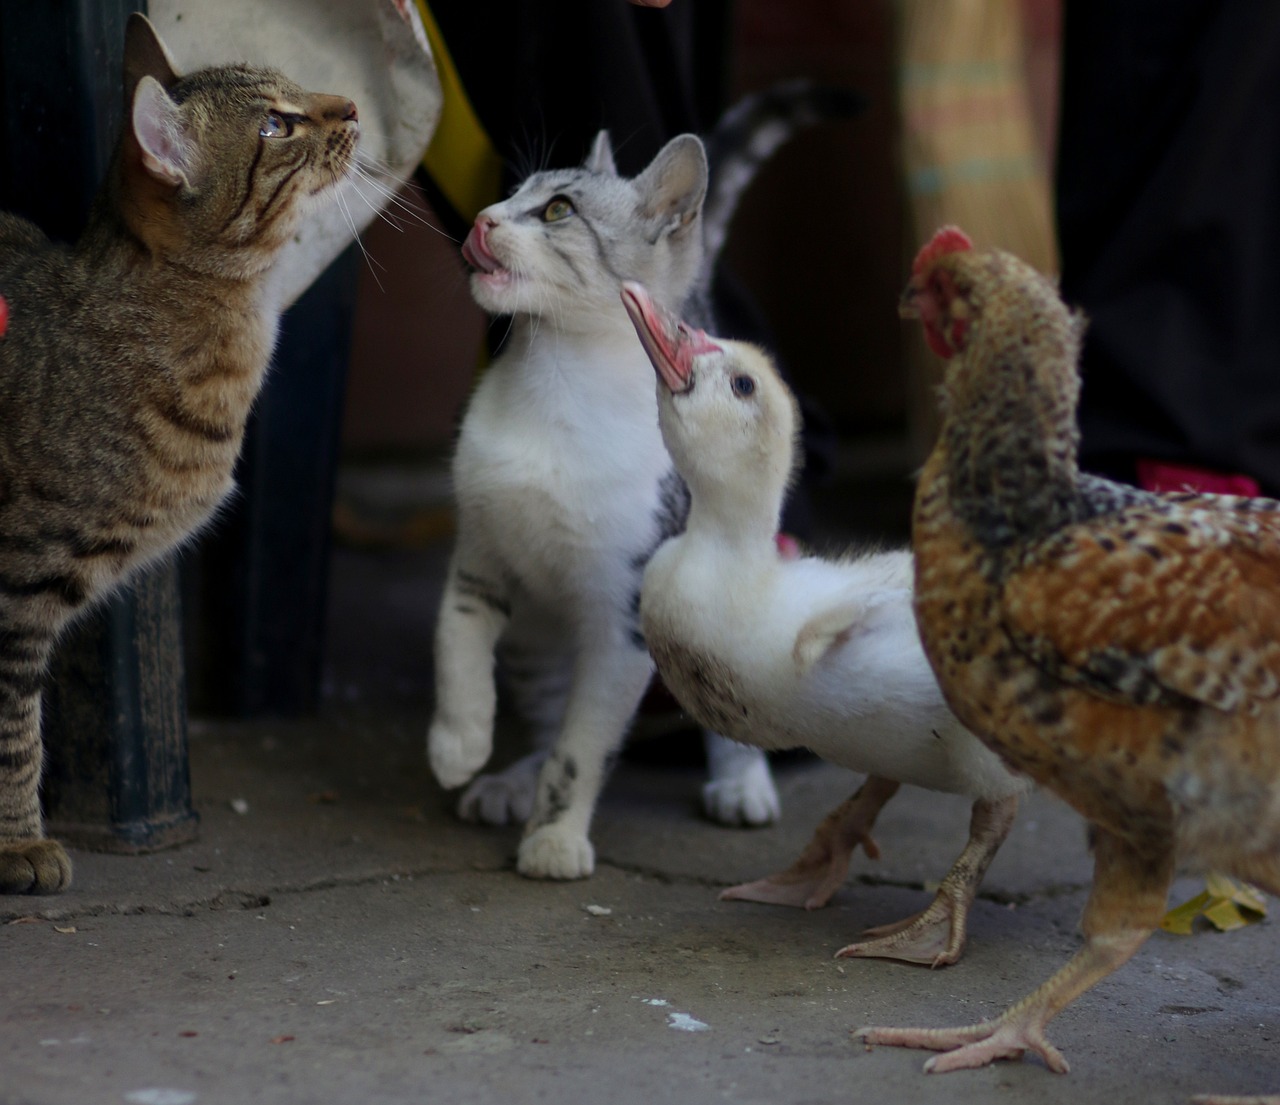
x=564, y=486
x=130, y=364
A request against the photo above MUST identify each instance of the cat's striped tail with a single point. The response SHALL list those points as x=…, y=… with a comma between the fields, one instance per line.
x=749, y=133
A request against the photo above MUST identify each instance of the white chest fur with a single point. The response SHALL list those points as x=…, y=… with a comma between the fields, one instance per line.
x=559, y=462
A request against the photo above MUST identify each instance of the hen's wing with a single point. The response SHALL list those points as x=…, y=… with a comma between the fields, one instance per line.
x=1165, y=600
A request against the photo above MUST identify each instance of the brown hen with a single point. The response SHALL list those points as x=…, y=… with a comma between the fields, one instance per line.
x=1118, y=646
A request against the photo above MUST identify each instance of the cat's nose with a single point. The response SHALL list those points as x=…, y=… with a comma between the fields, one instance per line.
x=335, y=108
x=483, y=224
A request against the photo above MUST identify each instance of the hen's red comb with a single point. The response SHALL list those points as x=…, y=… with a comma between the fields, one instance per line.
x=4, y=315
x=950, y=239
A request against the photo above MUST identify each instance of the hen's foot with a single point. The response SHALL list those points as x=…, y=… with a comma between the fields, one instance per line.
x=975, y=1045
x=823, y=865
x=33, y=867
x=1126, y=903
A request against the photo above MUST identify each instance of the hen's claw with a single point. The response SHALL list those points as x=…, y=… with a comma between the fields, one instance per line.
x=975, y=1045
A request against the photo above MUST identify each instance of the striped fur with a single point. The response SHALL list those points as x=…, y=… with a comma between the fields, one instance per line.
x=130, y=364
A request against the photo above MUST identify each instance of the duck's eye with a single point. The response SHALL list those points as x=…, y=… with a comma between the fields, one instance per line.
x=743, y=386
x=559, y=208
x=276, y=125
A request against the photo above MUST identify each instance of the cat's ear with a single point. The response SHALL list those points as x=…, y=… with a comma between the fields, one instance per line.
x=674, y=184
x=157, y=127
x=600, y=159
x=144, y=56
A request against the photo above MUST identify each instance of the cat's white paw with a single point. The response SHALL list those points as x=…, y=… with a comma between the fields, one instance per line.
x=456, y=755
x=506, y=797
x=746, y=796
x=553, y=852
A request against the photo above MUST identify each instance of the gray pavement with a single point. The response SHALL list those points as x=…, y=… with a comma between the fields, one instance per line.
x=336, y=936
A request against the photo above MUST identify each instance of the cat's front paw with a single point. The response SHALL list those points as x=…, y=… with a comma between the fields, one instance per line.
x=745, y=797
x=455, y=753
x=553, y=852
x=33, y=867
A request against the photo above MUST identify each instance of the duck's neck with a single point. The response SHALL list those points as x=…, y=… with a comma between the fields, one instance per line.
x=746, y=525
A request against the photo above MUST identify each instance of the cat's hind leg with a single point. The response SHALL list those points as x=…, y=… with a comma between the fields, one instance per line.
x=29, y=864
x=537, y=674
x=740, y=788
x=504, y=797
x=608, y=683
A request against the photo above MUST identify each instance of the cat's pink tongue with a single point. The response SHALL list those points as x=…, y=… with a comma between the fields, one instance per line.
x=475, y=250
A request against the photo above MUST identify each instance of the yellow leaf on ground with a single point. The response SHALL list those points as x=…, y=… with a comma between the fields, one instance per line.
x=1224, y=903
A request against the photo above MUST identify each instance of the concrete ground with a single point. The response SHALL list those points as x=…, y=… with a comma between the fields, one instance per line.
x=335, y=935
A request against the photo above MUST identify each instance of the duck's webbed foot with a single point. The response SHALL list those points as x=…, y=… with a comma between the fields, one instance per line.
x=936, y=936
x=823, y=866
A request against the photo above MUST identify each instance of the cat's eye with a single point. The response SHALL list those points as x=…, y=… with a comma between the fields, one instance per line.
x=743, y=386
x=559, y=208
x=276, y=125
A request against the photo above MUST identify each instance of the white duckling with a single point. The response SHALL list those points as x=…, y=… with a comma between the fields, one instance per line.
x=807, y=652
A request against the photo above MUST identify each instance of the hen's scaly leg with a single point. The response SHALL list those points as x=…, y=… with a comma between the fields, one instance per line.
x=936, y=936
x=1130, y=887
x=824, y=864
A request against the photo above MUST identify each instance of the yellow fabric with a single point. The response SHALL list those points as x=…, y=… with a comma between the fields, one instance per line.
x=461, y=158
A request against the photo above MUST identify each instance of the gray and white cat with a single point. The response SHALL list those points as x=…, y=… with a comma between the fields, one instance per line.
x=565, y=490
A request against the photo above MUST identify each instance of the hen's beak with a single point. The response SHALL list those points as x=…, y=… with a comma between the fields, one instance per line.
x=671, y=344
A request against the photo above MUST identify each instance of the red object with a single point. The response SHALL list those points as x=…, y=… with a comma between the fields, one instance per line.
x=4, y=315
x=950, y=239
x=1159, y=475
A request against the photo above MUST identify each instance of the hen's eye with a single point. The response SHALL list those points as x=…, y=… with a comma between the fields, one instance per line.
x=559, y=208
x=276, y=125
x=743, y=386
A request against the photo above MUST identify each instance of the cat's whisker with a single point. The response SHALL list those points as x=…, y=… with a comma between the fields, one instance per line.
x=385, y=184
x=351, y=222
x=383, y=187
x=396, y=200
x=511, y=321
x=380, y=210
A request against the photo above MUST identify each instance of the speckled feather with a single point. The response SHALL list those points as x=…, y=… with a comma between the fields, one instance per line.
x=1099, y=637
x=1116, y=645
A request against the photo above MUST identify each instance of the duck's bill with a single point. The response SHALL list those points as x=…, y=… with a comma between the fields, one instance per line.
x=671, y=344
